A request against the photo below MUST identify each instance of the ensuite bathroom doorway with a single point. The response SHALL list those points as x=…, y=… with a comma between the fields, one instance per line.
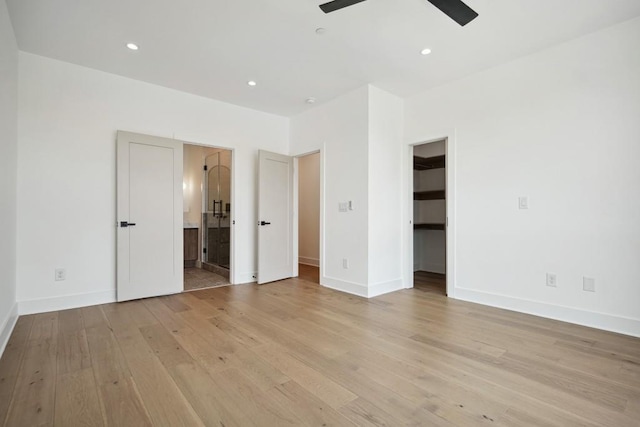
x=207, y=217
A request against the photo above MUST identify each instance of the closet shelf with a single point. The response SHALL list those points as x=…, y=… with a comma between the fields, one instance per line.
x=429, y=195
x=424, y=163
x=429, y=226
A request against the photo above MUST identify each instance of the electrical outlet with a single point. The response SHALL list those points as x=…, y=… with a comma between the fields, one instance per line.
x=589, y=284
x=345, y=263
x=552, y=280
x=60, y=274
x=523, y=202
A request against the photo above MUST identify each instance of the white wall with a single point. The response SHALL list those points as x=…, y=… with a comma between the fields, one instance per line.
x=8, y=174
x=68, y=117
x=359, y=134
x=309, y=209
x=385, y=191
x=340, y=129
x=561, y=127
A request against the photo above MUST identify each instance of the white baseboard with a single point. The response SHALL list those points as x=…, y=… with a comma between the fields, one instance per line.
x=65, y=302
x=385, y=287
x=361, y=290
x=309, y=261
x=6, y=327
x=344, y=286
x=591, y=319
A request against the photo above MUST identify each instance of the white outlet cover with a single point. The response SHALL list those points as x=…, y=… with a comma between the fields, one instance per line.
x=589, y=284
x=523, y=202
x=552, y=280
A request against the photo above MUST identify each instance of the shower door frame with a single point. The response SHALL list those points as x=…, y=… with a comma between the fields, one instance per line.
x=205, y=214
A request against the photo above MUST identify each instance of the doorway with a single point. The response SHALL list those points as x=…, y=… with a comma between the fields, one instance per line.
x=430, y=217
x=207, y=216
x=309, y=217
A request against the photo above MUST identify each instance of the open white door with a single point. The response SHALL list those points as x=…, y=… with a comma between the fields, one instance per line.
x=275, y=217
x=149, y=215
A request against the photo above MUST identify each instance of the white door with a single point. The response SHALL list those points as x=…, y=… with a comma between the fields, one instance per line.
x=149, y=215
x=275, y=217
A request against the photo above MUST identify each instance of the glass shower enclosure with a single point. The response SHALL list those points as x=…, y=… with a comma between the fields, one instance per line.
x=217, y=216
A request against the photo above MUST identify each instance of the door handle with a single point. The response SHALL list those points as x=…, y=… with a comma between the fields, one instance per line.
x=264, y=223
x=124, y=224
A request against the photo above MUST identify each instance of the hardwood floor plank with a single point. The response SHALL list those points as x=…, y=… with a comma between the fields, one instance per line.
x=119, y=397
x=77, y=401
x=162, y=398
x=11, y=361
x=33, y=397
x=73, y=352
x=313, y=381
x=211, y=403
x=311, y=410
x=295, y=353
x=122, y=405
x=257, y=406
x=364, y=413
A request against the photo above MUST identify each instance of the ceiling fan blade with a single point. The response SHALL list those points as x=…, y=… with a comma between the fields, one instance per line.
x=456, y=10
x=338, y=4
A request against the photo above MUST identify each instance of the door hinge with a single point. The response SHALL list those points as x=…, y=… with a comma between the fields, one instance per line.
x=205, y=167
x=204, y=250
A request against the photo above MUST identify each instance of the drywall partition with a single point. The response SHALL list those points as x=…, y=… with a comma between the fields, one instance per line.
x=66, y=172
x=339, y=129
x=309, y=209
x=8, y=174
x=385, y=190
x=560, y=127
x=359, y=134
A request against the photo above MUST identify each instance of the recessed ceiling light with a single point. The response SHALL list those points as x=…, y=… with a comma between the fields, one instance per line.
x=251, y=83
x=425, y=51
x=132, y=46
x=310, y=100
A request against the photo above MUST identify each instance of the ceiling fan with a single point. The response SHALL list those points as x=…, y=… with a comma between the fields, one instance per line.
x=455, y=9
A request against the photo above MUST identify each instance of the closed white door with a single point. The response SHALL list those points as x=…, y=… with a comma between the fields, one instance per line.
x=149, y=214
x=275, y=217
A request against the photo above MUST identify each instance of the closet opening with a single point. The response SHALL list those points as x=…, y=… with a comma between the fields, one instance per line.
x=430, y=217
x=309, y=217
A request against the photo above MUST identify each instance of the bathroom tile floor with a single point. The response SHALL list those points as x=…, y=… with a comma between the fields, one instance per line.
x=197, y=278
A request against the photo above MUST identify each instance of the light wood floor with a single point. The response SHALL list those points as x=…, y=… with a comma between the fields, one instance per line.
x=294, y=353
x=309, y=273
x=430, y=282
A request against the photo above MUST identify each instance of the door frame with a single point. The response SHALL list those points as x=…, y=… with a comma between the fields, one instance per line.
x=449, y=136
x=296, y=201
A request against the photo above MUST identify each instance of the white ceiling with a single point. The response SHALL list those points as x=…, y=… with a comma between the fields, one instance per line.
x=213, y=47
